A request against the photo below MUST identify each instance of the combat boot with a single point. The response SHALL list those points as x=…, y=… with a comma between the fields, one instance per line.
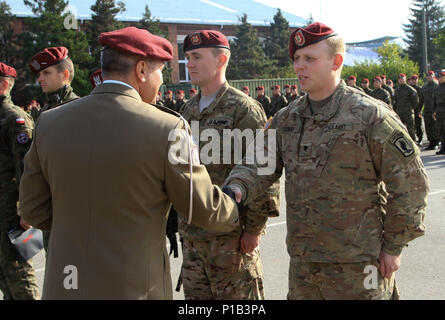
x=432, y=146
x=442, y=149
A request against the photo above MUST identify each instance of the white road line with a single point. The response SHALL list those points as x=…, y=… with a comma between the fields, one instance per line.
x=276, y=224
x=436, y=192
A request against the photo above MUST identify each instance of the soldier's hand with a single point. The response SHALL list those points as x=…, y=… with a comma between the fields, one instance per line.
x=249, y=242
x=388, y=264
x=434, y=116
x=24, y=224
x=420, y=115
x=238, y=194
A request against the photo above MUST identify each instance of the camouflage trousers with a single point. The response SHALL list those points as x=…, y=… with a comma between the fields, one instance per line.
x=216, y=269
x=339, y=281
x=408, y=120
x=17, y=277
x=430, y=127
x=418, y=126
x=440, y=123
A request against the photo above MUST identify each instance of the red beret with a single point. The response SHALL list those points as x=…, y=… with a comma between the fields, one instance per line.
x=47, y=58
x=431, y=73
x=96, y=78
x=276, y=87
x=402, y=75
x=287, y=86
x=294, y=86
x=414, y=77
x=7, y=71
x=179, y=91
x=441, y=73
x=365, y=81
x=303, y=37
x=169, y=91
x=378, y=79
x=205, y=39
x=246, y=88
x=352, y=78
x=193, y=90
x=138, y=42
x=383, y=76
x=389, y=81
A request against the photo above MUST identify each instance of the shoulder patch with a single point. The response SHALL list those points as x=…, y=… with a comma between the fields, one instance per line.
x=402, y=144
x=22, y=137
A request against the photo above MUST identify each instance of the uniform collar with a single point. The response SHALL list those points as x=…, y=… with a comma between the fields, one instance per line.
x=212, y=106
x=328, y=111
x=116, y=88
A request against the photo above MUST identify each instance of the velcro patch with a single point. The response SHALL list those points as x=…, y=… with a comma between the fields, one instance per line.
x=338, y=126
x=218, y=122
x=22, y=138
x=403, y=145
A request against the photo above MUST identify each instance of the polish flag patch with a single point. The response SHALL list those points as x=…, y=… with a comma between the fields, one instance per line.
x=20, y=120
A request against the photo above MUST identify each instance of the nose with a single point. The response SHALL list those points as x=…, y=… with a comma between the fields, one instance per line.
x=298, y=65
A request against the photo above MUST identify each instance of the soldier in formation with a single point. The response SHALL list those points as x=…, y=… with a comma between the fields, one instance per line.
x=335, y=227
x=262, y=98
x=439, y=111
x=277, y=102
x=168, y=100
x=222, y=265
x=428, y=105
x=17, y=277
x=379, y=93
x=180, y=101
x=365, y=87
x=405, y=104
x=413, y=80
x=352, y=82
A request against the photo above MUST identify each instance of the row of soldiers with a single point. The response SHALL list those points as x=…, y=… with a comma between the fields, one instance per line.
x=413, y=104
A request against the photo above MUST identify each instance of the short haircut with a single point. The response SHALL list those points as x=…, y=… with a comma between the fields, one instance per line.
x=66, y=64
x=221, y=51
x=11, y=82
x=336, y=46
x=114, y=62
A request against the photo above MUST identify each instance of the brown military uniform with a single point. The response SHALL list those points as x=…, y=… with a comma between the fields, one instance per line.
x=102, y=172
x=214, y=267
x=17, y=277
x=334, y=162
x=63, y=95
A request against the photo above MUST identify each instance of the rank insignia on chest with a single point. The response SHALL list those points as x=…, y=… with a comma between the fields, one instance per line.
x=403, y=145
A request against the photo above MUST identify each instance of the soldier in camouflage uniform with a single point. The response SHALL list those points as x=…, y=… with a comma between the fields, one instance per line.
x=17, y=277
x=246, y=90
x=180, y=101
x=352, y=82
x=277, y=102
x=336, y=145
x=288, y=92
x=380, y=93
x=405, y=104
x=413, y=80
x=439, y=110
x=388, y=88
x=222, y=265
x=430, y=123
x=55, y=72
x=365, y=87
x=294, y=91
x=159, y=101
x=168, y=100
x=262, y=98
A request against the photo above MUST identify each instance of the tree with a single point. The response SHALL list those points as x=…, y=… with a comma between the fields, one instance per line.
x=49, y=29
x=103, y=19
x=391, y=63
x=310, y=20
x=279, y=35
x=248, y=60
x=6, y=33
x=435, y=20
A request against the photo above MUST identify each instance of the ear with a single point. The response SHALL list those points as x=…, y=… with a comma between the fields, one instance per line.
x=222, y=60
x=141, y=71
x=66, y=75
x=3, y=86
x=338, y=62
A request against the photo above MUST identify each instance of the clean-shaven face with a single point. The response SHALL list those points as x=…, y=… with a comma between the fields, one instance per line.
x=202, y=65
x=50, y=79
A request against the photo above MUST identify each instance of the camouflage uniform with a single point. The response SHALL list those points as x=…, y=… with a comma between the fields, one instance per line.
x=358, y=88
x=276, y=103
x=214, y=267
x=288, y=97
x=430, y=123
x=63, y=95
x=265, y=102
x=179, y=104
x=170, y=104
x=418, y=109
x=382, y=94
x=439, y=109
x=367, y=91
x=17, y=277
x=335, y=161
x=405, y=102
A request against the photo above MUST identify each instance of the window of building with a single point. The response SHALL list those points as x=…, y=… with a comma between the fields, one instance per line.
x=184, y=75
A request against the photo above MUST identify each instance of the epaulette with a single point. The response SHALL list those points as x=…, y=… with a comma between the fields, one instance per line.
x=168, y=110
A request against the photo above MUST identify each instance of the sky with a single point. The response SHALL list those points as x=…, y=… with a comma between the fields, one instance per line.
x=354, y=20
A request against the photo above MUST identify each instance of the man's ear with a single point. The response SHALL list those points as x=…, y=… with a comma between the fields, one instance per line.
x=3, y=86
x=141, y=70
x=66, y=76
x=222, y=60
x=338, y=62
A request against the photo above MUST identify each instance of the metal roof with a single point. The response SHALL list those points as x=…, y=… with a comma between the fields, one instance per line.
x=213, y=12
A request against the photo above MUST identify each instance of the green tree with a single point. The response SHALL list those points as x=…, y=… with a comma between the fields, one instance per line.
x=103, y=19
x=248, y=60
x=310, y=20
x=435, y=20
x=6, y=33
x=392, y=62
x=49, y=29
x=153, y=25
x=279, y=35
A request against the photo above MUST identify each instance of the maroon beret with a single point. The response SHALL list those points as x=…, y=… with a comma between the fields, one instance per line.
x=96, y=78
x=169, y=91
x=303, y=37
x=7, y=71
x=205, y=39
x=414, y=77
x=378, y=79
x=365, y=81
x=245, y=88
x=389, y=81
x=352, y=78
x=259, y=88
x=193, y=90
x=179, y=91
x=138, y=42
x=431, y=73
x=287, y=86
x=441, y=73
x=276, y=87
x=294, y=86
x=402, y=75
x=48, y=58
